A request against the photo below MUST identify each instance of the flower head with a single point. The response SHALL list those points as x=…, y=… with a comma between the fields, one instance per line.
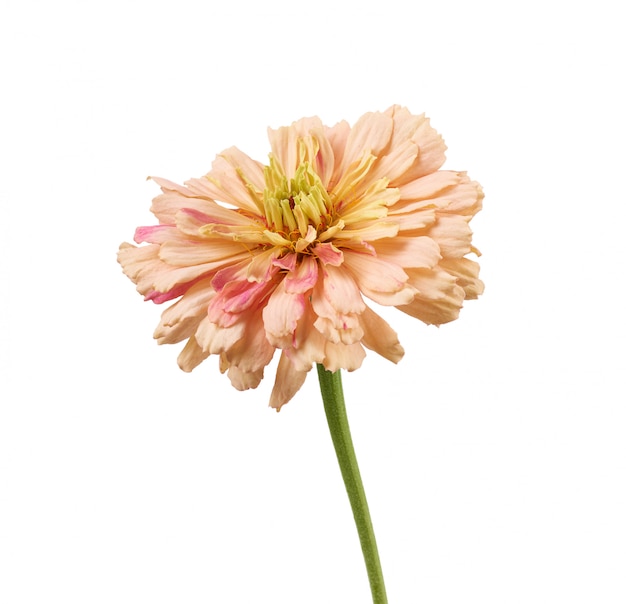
x=283, y=256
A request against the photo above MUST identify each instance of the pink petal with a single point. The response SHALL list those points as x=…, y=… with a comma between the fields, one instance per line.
x=303, y=278
x=328, y=254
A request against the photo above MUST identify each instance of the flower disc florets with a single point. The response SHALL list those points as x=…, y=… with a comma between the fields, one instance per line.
x=282, y=256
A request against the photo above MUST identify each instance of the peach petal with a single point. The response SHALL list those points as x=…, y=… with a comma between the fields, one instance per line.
x=307, y=343
x=369, y=136
x=252, y=351
x=285, y=142
x=466, y=273
x=438, y=299
x=409, y=252
x=180, y=320
x=191, y=355
x=215, y=339
x=430, y=186
x=243, y=380
x=340, y=292
x=453, y=236
x=286, y=263
x=343, y=356
x=282, y=312
x=379, y=337
x=343, y=328
x=212, y=254
x=372, y=273
x=432, y=152
x=227, y=181
x=166, y=206
x=288, y=381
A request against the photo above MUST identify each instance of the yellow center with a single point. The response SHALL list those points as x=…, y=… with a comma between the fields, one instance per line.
x=298, y=211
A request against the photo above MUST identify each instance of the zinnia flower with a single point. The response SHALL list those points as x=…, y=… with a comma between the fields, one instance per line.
x=284, y=256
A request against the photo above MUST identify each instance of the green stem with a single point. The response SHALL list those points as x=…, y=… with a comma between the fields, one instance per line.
x=335, y=407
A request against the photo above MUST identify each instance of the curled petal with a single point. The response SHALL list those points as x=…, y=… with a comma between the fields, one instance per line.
x=438, y=299
x=466, y=273
x=303, y=278
x=453, y=236
x=180, y=320
x=379, y=337
x=261, y=258
x=288, y=381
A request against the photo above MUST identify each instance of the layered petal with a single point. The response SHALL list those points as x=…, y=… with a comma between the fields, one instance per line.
x=259, y=258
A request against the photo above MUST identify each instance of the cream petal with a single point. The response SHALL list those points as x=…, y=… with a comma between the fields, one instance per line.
x=288, y=381
x=337, y=136
x=167, y=205
x=228, y=181
x=286, y=143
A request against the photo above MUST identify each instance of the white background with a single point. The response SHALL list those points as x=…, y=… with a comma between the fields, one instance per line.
x=493, y=455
